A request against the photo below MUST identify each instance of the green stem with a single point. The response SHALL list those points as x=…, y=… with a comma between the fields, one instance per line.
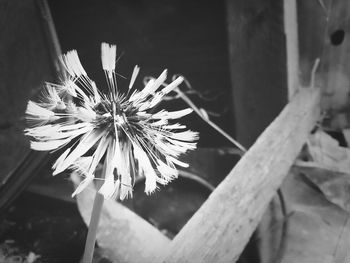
x=91, y=237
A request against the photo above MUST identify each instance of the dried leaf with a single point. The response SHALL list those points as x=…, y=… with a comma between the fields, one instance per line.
x=318, y=231
x=335, y=186
x=330, y=168
x=326, y=151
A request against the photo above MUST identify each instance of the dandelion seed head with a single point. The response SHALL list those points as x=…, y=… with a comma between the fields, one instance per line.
x=120, y=130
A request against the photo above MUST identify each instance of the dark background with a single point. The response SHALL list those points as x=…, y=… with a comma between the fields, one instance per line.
x=185, y=37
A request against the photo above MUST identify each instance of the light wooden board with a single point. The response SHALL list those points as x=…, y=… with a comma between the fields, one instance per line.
x=221, y=228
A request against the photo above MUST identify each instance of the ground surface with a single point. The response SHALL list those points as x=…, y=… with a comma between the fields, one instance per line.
x=50, y=229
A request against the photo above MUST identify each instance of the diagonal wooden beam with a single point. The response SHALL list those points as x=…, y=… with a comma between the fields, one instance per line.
x=221, y=228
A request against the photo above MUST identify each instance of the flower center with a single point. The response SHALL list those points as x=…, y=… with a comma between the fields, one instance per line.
x=120, y=119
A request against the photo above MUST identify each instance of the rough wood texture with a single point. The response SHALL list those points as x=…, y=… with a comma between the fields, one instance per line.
x=292, y=45
x=312, y=25
x=336, y=64
x=324, y=28
x=221, y=228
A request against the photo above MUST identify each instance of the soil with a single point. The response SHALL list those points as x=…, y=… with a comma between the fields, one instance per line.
x=50, y=229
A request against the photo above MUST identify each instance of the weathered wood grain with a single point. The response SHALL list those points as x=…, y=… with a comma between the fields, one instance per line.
x=221, y=228
x=336, y=67
x=292, y=45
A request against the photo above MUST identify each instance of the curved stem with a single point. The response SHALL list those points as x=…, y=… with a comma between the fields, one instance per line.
x=212, y=124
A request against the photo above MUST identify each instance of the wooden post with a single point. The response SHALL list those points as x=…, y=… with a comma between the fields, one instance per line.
x=257, y=54
x=292, y=45
x=336, y=64
x=24, y=65
x=221, y=228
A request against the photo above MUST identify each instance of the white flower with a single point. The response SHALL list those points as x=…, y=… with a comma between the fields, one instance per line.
x=117, y=129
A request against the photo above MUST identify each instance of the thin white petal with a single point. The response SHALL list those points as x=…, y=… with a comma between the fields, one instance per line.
x=108, y=56
x=178, y=114
x=85, y=143
x=176, y=161
x=145, y=105
x=135, y=96
x=41, y=131
x=98, y=154
x=47, y=145
x=50, y=98
x=172, y=114
x=151, y=182
x=110, y=190
x=133, y=76
x=182, y=145
x=72, y=63
x=166, y=171
x=38, y=111
x=108, y=187
x=150, y=89
x=85, y=183
x=125, y=188
x=176, y=126
x=156, y=99
x=73, y=126
x=160, y=122
x=167, y=148
x=172, y=85
x=146, y=167
x=71, y=134
x=60, y=159
x=70, y=87
x=97, y=96
x=185, y=136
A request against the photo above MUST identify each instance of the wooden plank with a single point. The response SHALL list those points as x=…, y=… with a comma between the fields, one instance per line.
x=312, y=25
x=257, y=54
x=270, y=243
x=52, y=38
x=24, y=65
x=292, y=45
x=336, y=65
x=221, y=228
